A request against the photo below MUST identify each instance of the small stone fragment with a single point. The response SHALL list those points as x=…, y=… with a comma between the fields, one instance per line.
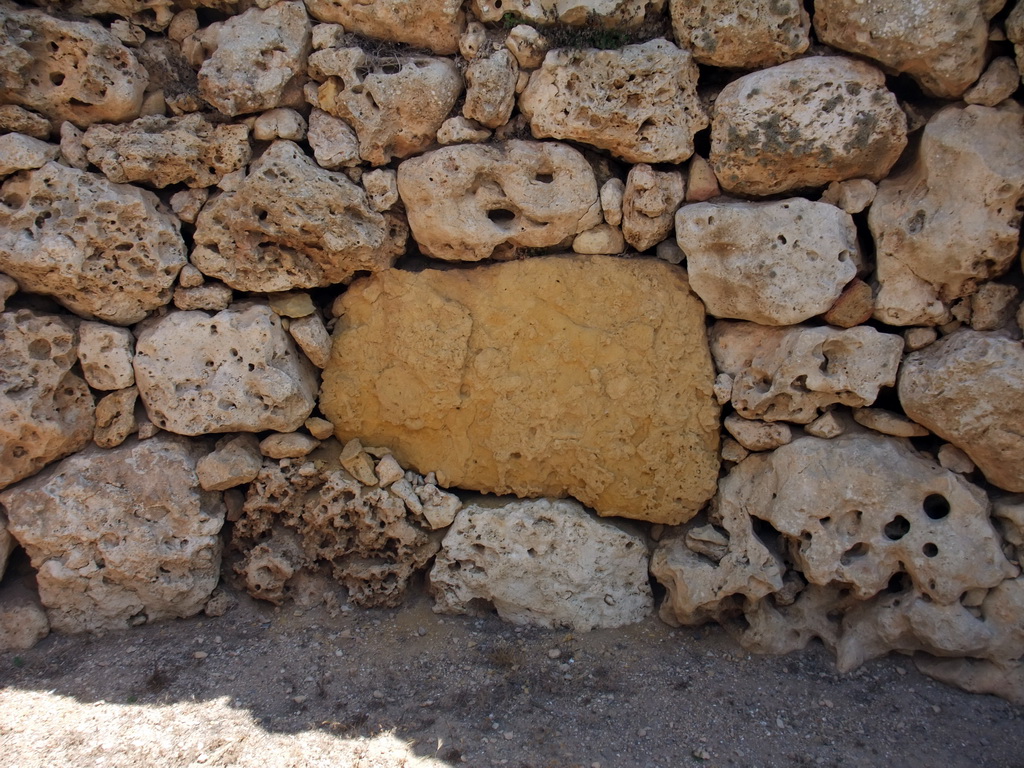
x=183, y=24
x=23, y=621
x=15, y=119
x=701, y=182
x=758, y=435
x=210, y=296
x=723, y=388
x=291, y=304
x=335, y=145
x=528, y=45
x=491, y=89
x=19, y=152
x=236, y=460
x=852, y=195
x=459, y=130
x=115, y=418
x=106, y=355
x=187, y=204
x=613, y=192
x=279, y=123
x=291, y=445
x=388, y=470
x=313, y=339
x=8, y=287
x=826, y=426
x=741, y=34
x=998, y=83
x=381, y=185
x=358, y=463
x=888, y=423
x=472, y=40
x=649, y=204
x=919, y=338
x=439, y=507
x=993, y=306
x=733, y=451
x=854, y=306
x=955, y=460
x=603, y=238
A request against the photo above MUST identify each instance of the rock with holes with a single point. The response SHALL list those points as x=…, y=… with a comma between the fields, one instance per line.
x=335, y=145
x=934, y=243
x=237, y=371
x=67, y=70
x=159, y=151
x=595, y=15
x=544, y=563
x=776, y=263
x=256, y=56
x=804, y=124
x=105, y=251
x=491, y=88
x=467, y=202
x=748, y=34
x=291, y=224
x=395, y=104
x=940, y=43
x=106, y=355
x=154, y=15
x=120, y=537
x=432, y=24
x=562, y=375
x=969, y=389
x=46, y=410
x=783, y=623
x=638, y=102
x=172, y=74
x=790, y=374
x=649, y=202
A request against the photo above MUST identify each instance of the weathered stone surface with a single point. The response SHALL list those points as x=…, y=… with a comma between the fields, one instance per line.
x=171, y=75
x=993, y=307
x=758, y=435
x=603, y=238
x=776, y=263
x=278, y=38
x=381, y=185
x=575, y=375
x=237, y=371
x=311, y=335
x=613, y=193
x=940, y=43
x=934, y=243
x=491, y=88
x=115, y=418
x=969, y=389
x=460, y=130
x=7, y=544
x=888, y=423
x=120, y=537
x=855, y=305
x=467, y=203
x=46, y=411
x=160, y=151
x=67, y=70
x=1015, y=34
x=102, y=250
x=279, y=123
x=394, y=104
x=998, y=83
x=748, y=34
x=151, y=14
x=288, y=445
x=769, y=135
x=852, y=195
x=789, y=374
x=23, y=621
x=638, y=102
x=335, y=145
x=528, y=45
x=432, y=24
x=545, y=563
x=701, y=182
x=777, y=626
x=19, y=152
x=649, y=203
x=999, y=678
x=601, y=13
x=15, y=119
x=235, y=460
x=293, y=225
x=106, y=355
x=212, y=297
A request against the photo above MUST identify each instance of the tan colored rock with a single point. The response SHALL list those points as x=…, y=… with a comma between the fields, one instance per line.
x=940, y=43
x=748, y=34
x=612, y=193
x=381, y=185
x=456, y=381
x=432, y=24
x=293, y=225
x=999, y=678
x=459, y=130
x=934, y=244
x=602, y=14
x=888, y=423
x=472, y=40
x=46, y=410
x=467, y=203
x=67, y=70
x=19, y=152
x=15, y=119
x=115, y=418
x=290, y=445
x=7, y=544
x=236, y=460
x=237, y=371
x=278, y=38
x=358, y=463
x=771, y=626
x=701, y=182
x=649, y=116
x=154, y=15
x=776, y=263
x=827, y=426
x=106, y=355
x=292, y=304
x=649, y=204
x=855, y=305
x=528, y=46
x=23, y=621
x=968, y=388
x=955, y=460
x=211, y=297
x=544, y=563
x=603, y=238
x=779, y=112
x=8, y=287
x=321, y=429
x=279, y=123
x=313, y=339
x=439, y=507
x=186, y=205
x=758, y=435
x=993, y=306
x=790, y=374
x=998, y=83
x=919, y=338
x=852, y=195
x=491, y=88
x=1015, y=34
x=733, y=451
x=183, y=24
x=102, y=250
x=335, y=145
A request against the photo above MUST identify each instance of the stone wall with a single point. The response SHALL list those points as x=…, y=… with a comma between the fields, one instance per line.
x=726, y=293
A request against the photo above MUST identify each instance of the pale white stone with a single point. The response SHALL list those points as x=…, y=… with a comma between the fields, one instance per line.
x=604, y=238
x=460, y=130
x=358, y=463
x=236, y=460
x=491, y=89
x=381, y=185
x=439, y=507
x=312, y=337
x=888, y=423
x=327, y=36
x=723, y=388
x=71, y=148
x=649, y=204
x=19, y=152
x=279, y=123
x=335, y=145
x=669, y=250
x=612, y=193
x=291, y=304
x=183, y=24
x=210, y=296
x=388, y=471
x=106, y=352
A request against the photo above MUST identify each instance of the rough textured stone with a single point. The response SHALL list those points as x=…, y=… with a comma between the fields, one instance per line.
x=212, y=297
x=160, y=151
x=237, y=371
x=969, y=389
x=993, y=307
x=67, y=70
x=758, y=435
x=748, y=34
x=613, y=14
x=115, y=418
x=171, y=75
x=120, y=537
x=855, y=305
x=999, y=678
x=1015, y=34
x=15, y=119
x=7, y=544
x=545, y=563
x=236, y=460
x=106, y=355
x=789, y=374
x=491, y=89
x=102, y=250
x=575, y=375
x=701, y=182
x=852, y=195
x=279, y=123
x=313, y=339
x=888, y=423
x=335, y=145
x=649, y=203
x=467, y=203
x=23, y=621
x=934, y=243
x=459, y=130
x=613, y=193
x=155, y=15
x=769, y=134
x=19, y=152
x=381, y=185
x=528, y=45
x=603, y=238
x=432, y=24
x=46, y=411
x=290, y=445
x=293, y=225
x=638, y=102
x=998, y=83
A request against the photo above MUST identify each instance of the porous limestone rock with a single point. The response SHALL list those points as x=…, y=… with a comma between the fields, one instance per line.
x=395, y=104
x=102, y=250
x=789, y=374
x=115, y=417
x=120, y=537
x=46, y=410
x=160, y=151
x=758, y=435
x=940, y=43
x=460, y=130
x=279, y=123
x=803, y=124
x=171, y=75
x=852, y=195
x=439, y=507
x=528, y=46
x=256, y=55
x=855, y=305
x=154, y=15
x=212, y=297
x=638, y=102
x=293, y=225
x=998, y=83
x=311, y=335
x=934, y=243
x=19, y=152
x=288, y=445
x=1015, y=34
x=491, y=88
x=15, y=119
x=432, y=24
x=649, y=202
x=748, y=34
x=611, y=14
x=613, y=193
x=67, y=70
x=888, y=423
x=236, y=460
x=968, y=388
x=604, y=238
x=544, y=563
x=776, y=263
x=23, y=621
x=237, y=371
x=381, y=185
x=551, y=376
x=335, y=145
x=467, y=202
x=105, y=352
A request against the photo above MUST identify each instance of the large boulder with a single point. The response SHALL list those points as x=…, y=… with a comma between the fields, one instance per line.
x=432, y=24
x=551, y=376
x=741, y=34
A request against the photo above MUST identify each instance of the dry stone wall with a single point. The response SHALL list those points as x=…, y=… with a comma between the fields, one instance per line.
x=726, y=293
